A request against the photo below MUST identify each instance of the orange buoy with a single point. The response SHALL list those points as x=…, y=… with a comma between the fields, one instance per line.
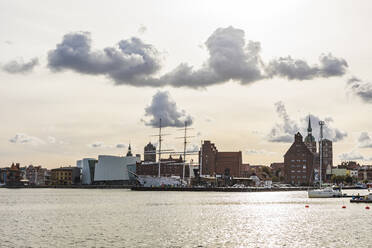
x=306, y=206
x=343, y=206
x=367, y=207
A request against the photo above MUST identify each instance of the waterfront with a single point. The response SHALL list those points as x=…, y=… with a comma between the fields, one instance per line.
x=124, y=218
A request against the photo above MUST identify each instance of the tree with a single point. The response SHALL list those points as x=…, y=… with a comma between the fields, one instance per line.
x=266, y=170
x=338, y=179
x=275, y=179
x=348, y=179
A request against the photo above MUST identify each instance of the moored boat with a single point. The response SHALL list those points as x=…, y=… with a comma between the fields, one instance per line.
x=362, y=199
x=328, y=192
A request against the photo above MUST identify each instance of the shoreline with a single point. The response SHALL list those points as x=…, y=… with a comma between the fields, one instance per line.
x=179, y=189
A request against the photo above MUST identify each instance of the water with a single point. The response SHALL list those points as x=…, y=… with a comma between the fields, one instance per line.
x=122, y=218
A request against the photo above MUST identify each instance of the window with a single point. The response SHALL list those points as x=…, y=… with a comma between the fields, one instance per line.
x=304, y=167
x=293, y=171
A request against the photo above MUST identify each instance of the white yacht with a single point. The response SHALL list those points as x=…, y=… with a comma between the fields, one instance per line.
x=327, y=192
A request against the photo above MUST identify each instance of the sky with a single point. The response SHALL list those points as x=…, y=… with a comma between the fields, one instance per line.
x=86, y=78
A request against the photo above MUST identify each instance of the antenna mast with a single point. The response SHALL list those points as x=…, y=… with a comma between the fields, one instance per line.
x=321, y=124
x=201, y=159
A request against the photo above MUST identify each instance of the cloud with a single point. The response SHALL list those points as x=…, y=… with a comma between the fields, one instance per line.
x=230, y=58
x=258, y=152
x=121, y=146
x=21, y=138
x=361, y=89
x=97, y=144
x=353, y=155
x=193, y=148
x=364, y=140
x=285, y=130
x=53, y=140
x=329, y=132
x=129, y=62
x=297, y=69
x=164, y=108
x=20, y=67
x=102, y=145
x=142, y=29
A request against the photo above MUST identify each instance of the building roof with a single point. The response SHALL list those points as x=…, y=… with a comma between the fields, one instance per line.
x=298, y=141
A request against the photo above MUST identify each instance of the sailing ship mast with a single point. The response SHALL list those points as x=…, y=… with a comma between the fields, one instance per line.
x=160, y=140
x=185, y=142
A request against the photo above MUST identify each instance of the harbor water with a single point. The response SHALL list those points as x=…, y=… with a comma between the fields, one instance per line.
x=124, y=218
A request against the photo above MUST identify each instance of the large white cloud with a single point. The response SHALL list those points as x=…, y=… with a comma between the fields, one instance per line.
x=129, y=62
x=231, y=57
x=298, y=69
x=164, y=108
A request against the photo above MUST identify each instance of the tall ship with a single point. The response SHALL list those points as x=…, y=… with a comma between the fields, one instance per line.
x=165, y=172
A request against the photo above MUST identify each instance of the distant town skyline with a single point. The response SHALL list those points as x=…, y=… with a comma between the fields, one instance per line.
x=82, y=79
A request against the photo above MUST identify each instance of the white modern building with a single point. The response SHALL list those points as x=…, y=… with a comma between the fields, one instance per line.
x=86, y=166
x=114, y=169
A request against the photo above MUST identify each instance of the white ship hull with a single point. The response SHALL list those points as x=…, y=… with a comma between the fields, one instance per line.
x=324, y=193
x=149, y=181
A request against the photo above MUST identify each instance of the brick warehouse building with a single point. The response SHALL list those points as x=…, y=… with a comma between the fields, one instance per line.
x=299, y=163
x=219, y=163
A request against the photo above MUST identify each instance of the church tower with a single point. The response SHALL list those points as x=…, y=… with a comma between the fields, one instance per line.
x=310, y=140
x=129, y=153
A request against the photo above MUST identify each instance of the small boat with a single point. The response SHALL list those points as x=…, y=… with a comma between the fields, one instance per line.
x=362, y=199
x=328, y=192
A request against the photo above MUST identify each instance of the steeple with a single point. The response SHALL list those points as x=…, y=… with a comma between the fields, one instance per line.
x=129, y=153
x=309, y=129
x=310, y=140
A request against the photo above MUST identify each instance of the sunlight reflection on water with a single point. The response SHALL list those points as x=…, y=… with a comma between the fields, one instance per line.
x=122, y=218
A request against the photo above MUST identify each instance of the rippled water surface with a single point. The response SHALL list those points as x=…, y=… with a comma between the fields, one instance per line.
x=122, y=218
